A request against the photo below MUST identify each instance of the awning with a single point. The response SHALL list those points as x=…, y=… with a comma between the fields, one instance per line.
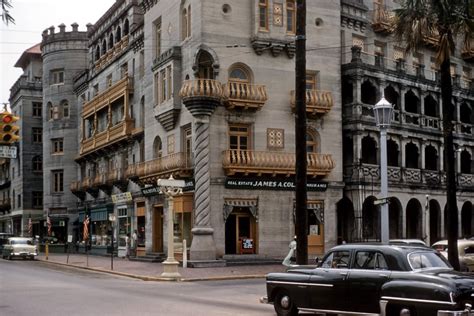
x=230, y=203
x=316, y=207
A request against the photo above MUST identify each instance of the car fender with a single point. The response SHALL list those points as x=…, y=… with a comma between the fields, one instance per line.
x=416, y=293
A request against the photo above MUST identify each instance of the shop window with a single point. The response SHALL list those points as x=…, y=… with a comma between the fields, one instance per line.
x=124, y=223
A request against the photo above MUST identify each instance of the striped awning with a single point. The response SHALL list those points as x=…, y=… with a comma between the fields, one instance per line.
x=250, y=203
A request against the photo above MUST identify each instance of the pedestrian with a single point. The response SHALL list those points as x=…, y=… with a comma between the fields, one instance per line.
x=134, y=243
x=127, y=246
x=291, y=254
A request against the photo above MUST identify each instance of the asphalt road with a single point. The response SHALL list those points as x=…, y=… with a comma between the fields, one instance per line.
x=37, y=288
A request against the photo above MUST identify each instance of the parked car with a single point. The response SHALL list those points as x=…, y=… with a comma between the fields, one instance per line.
x=19, y=247
x=409, y=242
x=465, y=251
x=372, y=279
x=3, y=239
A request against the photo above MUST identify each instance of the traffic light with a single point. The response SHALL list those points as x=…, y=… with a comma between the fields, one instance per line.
x=8, y=130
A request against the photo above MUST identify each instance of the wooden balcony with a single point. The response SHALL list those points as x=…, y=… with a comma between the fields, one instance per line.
x=467, y=53
x=431, y=38
x=273, y=163
x=77, y=189
x=121, y=88
x=112, y=135
x=382, y=21
x=317, y=102
x=177, y=164
x=201, y=89
x=240, y=95
x=110, y=55
x=117, y=177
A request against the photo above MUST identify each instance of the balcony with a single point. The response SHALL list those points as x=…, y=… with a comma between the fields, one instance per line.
x=77, y=189
x=178, y=164
x=110, y=55
x=317, y=102
x=201, y=96
x=273, y=163
x=117, y=177
x=5, y=204
x=382, y=21
x=121, y=88
x=467, y=53
x=245, y=96
x=431, y=38
x=121, y=131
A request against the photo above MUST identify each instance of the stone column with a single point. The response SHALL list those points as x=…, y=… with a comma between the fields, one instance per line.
x=201, y=97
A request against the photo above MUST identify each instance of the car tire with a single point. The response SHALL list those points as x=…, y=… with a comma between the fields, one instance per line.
x=9, y=257
x=284, y=305
x=400, y=310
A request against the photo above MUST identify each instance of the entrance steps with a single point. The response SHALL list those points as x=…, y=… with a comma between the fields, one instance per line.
x=150, y=257
x=246, y=260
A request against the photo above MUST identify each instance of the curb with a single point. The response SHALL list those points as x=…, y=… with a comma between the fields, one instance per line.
x=157, y=279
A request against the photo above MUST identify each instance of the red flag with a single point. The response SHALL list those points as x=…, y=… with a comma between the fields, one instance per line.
x=48, y=221
x=30, y=226
x=85, y=235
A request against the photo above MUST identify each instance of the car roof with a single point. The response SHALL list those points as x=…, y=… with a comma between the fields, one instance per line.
x=461, y=242
x=19, y=238
x=407, y=241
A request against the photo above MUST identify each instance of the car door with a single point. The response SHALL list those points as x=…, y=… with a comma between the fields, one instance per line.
x=369, y=272
x=328, y=282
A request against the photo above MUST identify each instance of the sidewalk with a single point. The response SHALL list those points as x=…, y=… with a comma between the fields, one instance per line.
x=151, y=271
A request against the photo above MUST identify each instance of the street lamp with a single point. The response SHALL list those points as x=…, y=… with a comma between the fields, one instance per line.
x=171, y=187
x=112, y=219
x=383, y=111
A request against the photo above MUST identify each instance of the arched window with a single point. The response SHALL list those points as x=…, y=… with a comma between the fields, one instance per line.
x=97, y=53
x=369, y=93
x=118, y=34
x=37, y=164
x=312, y=141
x=50, y=110
x=466, y=162
x=126, y=27
x=104, y=47
x=239, y=74
x=411, y=156
x=65, y=108
x=157, y=148
x=205, y=62
x=184, y=22
x=369, y=150
x=111, y=40
x=431, y=158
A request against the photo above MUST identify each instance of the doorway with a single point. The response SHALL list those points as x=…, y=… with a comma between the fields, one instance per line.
x=240, y=228
x=157, y=239
x=315, y=211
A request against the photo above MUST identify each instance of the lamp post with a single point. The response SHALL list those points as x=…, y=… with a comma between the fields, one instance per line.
x=383, y=111
x=170, y=187
x=112, y=219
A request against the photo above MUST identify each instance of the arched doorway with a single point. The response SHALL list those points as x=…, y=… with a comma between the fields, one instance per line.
x=240, y=231
x=370, y=220
x=414, y=219
x=345, y=220
x=395, y=218
x=435, y=221
x=205, y=64
x=466, y=220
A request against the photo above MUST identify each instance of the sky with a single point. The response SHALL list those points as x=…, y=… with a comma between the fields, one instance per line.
x=31, y=18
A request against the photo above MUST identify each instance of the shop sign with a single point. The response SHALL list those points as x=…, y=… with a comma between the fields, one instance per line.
x=272, y=184
x=122, y=197
x=155, y=190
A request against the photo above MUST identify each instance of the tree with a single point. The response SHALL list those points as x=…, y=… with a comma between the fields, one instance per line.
x=6, y=17
x=449, y=22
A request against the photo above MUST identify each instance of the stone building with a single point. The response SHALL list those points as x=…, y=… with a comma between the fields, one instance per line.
x=22, y=177
x=375, y=65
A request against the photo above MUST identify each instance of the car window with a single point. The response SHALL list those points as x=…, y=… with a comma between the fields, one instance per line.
x=426, y=260
x=21, y=242
x=337, y=260
x=370, y=260
x=469, y=250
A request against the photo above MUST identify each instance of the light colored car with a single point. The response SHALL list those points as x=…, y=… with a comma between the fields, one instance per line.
x=465, y=250
x=19, y=247
x=407, y=242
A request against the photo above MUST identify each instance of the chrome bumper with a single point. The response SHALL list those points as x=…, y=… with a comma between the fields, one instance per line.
x=264, y=299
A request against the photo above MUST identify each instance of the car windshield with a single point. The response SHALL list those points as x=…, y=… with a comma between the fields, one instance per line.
x=427, y=260
x=21, y=242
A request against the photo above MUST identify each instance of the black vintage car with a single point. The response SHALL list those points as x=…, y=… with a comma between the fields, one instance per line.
x=373, y=279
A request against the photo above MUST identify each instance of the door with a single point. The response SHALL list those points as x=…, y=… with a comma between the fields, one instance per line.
x=240, y=228
x=157, y=245
x=316, y=232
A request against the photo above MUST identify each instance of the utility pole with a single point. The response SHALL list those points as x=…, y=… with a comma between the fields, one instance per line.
x=301, y=220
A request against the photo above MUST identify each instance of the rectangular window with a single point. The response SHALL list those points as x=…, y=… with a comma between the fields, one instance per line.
x=124, y=70
x=141, y=64
x=263, y=14
x=379, y=49
x=311, y=81
x=57, y=145
x=37, y=199
x=109, y=81
x=290, y=16
x=58, y=181
x=19, y=200
x=37, y=108
x=168, y=79
x=157, y=88
x=163, y=85
x=158, y=38
x=57, y=76
x=239, y=136
x=37, y=135
x=65, y=106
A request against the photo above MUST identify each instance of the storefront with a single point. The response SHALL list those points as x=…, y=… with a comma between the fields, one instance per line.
x=183, y=221
x=99, y=228
x=241, y=220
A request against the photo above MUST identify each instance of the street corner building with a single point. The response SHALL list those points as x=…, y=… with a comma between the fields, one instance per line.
x=204, y=91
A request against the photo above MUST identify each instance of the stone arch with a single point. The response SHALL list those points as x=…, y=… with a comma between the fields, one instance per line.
x=411, y=156
x=97, y=52
x=395, y=217
x=412, y=102
x=206, y=59
x=431, y=106
x=466, y=162
x=370, y=220
x=369, y=150
x=111, y=40
x=345, y=220
x=126, y=27
x=118, y=34
x=435, y=221
x=465, y=111
x=104, y=47
x=431, y=158
x=313, y=140
x=240, y=72
x=368, y=92
x=414, y=219
x=392, y=96
x=466, y=220
x=157, y=147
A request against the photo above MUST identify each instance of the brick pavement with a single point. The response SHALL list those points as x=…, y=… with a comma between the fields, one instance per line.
x=151, y=271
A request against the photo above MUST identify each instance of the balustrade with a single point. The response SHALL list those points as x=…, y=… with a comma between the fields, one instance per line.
x=317, y=101
x=244, y=95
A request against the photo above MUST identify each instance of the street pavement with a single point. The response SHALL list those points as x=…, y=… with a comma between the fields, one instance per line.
x=151, y=271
